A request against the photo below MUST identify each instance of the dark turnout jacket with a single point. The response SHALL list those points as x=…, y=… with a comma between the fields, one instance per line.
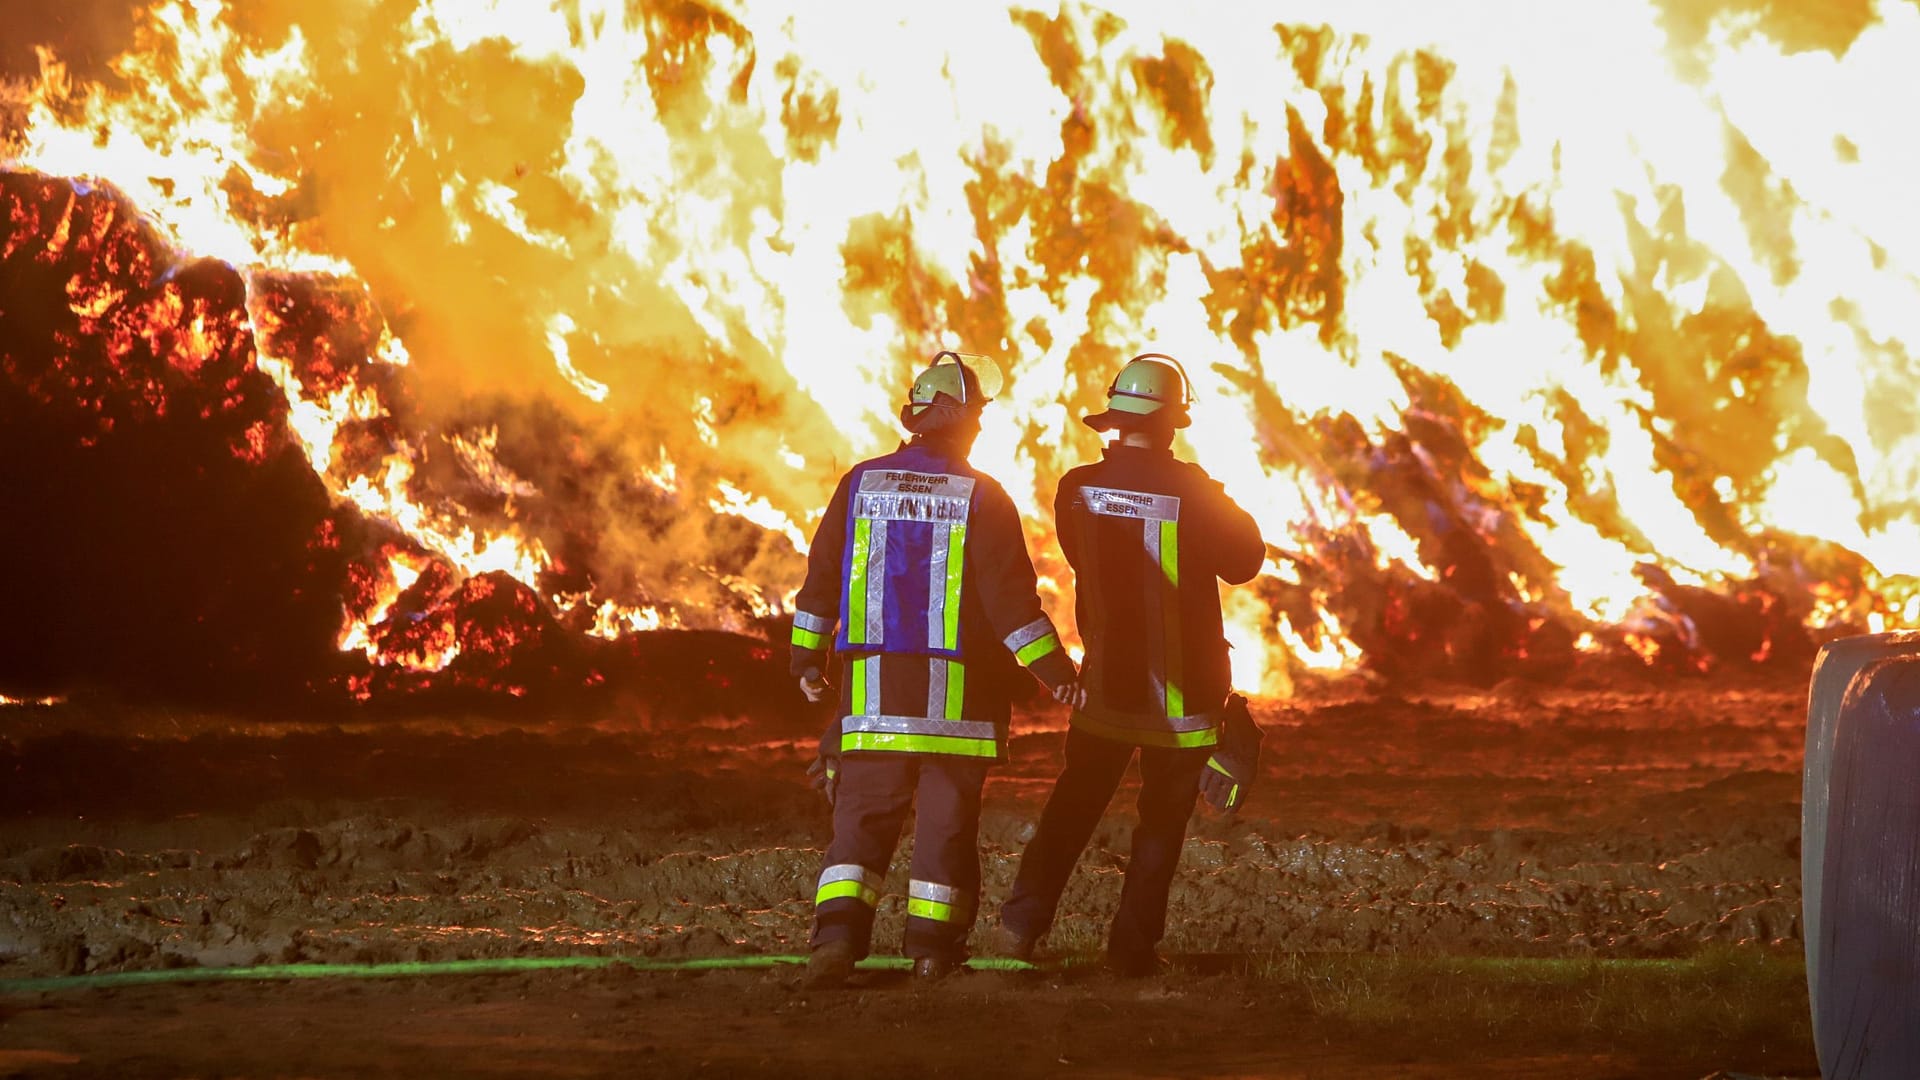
x=920, y=581
x=1147, y=535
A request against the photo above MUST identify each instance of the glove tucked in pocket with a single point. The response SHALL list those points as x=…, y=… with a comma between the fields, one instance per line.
x=1236, y=760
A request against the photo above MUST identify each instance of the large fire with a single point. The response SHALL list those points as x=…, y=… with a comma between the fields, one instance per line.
x=1534, y=334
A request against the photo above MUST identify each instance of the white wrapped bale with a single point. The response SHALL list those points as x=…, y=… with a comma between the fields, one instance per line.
x=1860, y=851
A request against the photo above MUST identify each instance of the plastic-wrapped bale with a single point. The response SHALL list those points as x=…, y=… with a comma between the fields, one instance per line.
x=1833, y=672
x=1861, y=857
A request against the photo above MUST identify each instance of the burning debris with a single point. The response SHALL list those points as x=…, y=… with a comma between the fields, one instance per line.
x=462, y=364
x=176, y=536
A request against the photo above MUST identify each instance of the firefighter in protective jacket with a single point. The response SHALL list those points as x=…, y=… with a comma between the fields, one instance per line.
x=1146, y=535
x=919, y=578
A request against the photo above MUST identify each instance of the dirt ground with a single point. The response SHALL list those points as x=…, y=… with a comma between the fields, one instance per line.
x=1523, y=822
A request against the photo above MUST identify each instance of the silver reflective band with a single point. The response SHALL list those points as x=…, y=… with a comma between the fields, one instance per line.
x=940, y=894
x=816, y=623
x=918, y=725
x=1151, y=538
x=1029, y=634
x=936, y=687
x=869, y=683
x=902, y=481
x=931, y=508
x=877, y=584
x=910, y=481
x=852, y=872
x=1118, y=502
x=895, y=495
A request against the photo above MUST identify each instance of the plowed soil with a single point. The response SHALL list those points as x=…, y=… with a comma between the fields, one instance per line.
x=1523, y=822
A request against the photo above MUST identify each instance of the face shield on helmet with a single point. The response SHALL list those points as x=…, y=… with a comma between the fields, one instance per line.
x=948, y=389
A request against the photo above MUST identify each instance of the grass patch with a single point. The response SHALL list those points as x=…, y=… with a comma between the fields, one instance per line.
x=1723, y=995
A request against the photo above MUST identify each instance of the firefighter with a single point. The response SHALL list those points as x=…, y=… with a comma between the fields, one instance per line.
x=1146, y=535
x=919, y=579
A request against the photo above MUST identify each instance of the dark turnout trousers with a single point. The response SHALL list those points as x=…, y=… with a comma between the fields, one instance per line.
x=874, y=794
x=1169, y=784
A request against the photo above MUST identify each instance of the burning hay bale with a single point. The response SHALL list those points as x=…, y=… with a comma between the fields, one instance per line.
x=180, y=545
x=167, y=538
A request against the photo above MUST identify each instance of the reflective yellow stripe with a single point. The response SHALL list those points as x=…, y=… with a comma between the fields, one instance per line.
x=1214, y=764
x=807, y=639
x=1037, y=648
x=956, y=689
x=930, y=909
x=857, y=582
x=852, y=881
x=956, y=561
x=858, y=890
x=1170, y=616
x=916, y=744
x=857, y=668
x=1176, y=740
x=941, y=903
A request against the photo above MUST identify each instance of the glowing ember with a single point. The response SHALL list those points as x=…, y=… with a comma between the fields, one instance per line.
x=1581, y=338
x=29, y=702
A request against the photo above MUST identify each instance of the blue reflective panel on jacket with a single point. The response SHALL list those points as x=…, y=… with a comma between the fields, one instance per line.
x=906, y=554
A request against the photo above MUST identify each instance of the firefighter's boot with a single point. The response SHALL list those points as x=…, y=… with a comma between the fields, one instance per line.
x=934, y=967
x=830, y=965
x=1004, y=941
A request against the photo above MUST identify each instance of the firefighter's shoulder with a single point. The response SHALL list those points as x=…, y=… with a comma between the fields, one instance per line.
x=1193, y=473
x=1082, y=474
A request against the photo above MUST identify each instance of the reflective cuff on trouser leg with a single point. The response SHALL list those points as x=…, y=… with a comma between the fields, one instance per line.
x=945, y=869
x=939, y=903
x=938, y=919
x=843, y=905
x=870, y=803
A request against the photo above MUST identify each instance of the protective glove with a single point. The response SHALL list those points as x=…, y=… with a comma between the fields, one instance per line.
x=824, y=773
x=1228, y=777
x=1071, y=694
x=814, y=685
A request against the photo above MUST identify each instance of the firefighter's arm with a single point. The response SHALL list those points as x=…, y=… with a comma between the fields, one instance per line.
x=1066, y=523
x=1066, y=526
x=1232, y=534
x=997, y=558
x=816, y=611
